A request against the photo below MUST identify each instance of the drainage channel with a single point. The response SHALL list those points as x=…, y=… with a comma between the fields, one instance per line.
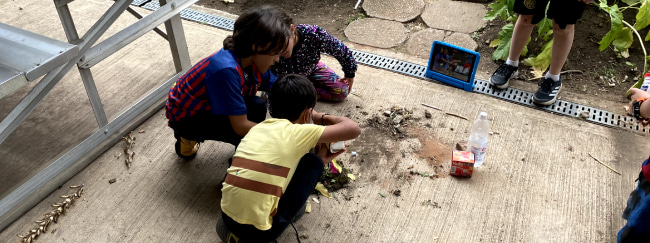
x=517, y=96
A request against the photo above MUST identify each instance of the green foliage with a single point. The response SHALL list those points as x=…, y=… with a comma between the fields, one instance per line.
x=543, y=60
x=545, y=28
x=616, y=18
x=500, y=8
x=624, y=39
x=505, y=38
x=643, y=16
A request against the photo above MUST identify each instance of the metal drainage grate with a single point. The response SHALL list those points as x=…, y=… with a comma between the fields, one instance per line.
x=139, y=2
x=522, y=97
x=561, y=107
x=197, y=16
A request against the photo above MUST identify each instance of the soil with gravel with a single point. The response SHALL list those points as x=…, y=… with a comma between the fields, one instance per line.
x=331, y=15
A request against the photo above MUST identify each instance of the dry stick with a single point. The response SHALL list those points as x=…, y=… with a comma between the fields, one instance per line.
x=459, y=116
x=604, y=164
x=563, y=72
x=430, y=106
x=447, y=113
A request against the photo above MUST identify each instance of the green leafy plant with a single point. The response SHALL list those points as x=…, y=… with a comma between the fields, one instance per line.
x=620, y=36
x=621, y=33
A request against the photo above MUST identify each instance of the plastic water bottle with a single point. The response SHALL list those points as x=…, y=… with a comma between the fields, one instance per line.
x=646, y=82
x=478, y=140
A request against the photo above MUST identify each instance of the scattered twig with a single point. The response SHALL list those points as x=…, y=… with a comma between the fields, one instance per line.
x=53, y=215
x=456, y=115
x=563, y=72
x=604, y=164
x=129, y=140
x=430, y=106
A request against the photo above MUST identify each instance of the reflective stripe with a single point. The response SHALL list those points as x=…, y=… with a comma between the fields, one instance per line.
x=252, y=185
x=262, y=167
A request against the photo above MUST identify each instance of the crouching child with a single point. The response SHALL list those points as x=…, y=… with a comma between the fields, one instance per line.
x=272, y=171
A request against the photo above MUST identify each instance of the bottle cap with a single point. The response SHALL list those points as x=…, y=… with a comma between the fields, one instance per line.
x=646, y=75
x=482, y=115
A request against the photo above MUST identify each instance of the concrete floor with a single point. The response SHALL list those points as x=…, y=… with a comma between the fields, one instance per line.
x=538, y=183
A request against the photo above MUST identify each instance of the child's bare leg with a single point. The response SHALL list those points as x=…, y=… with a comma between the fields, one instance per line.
x=520, y=35
x=562, y=41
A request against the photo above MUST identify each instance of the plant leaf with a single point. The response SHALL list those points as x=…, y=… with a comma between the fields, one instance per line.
x=647, y=37
x=623, y=40
x=524, y=51
x=617, y=25
x=643, y=16
x=543, y=60
x=543, y=27
x=495, y=43
x=497, y=8
x=505, y=35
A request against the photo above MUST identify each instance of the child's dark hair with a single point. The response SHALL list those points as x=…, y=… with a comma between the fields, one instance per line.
x=265, y=27
x=290, y=96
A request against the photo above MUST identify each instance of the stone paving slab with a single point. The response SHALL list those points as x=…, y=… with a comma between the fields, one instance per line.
x=400, y=10
x=455, y=16
x=376, y=32
x=419, y=43
x=462, y=40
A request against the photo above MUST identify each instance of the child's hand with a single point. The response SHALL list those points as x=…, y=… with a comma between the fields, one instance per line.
x=349, y=82
x=324, y=153
x=636, y=94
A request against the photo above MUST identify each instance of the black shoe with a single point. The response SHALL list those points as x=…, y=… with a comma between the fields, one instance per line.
x=547, y=92
x=501, y=77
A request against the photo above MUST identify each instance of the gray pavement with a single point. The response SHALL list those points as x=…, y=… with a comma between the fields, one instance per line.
x=538, y=183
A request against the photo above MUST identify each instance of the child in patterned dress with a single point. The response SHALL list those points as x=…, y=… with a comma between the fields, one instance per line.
x=302, y=56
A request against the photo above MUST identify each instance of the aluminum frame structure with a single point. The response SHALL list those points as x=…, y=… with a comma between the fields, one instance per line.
x=28, y=194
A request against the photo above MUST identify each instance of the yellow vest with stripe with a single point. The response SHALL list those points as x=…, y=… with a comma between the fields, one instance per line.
x=262, y=167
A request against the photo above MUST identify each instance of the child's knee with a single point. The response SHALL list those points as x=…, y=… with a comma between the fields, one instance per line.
x=557, y=30
x=526, y=20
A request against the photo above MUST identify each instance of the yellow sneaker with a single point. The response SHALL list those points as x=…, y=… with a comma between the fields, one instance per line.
x=186, y=148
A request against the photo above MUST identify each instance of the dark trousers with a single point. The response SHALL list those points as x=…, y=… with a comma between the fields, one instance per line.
x=301, y=185
x=207, y=126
